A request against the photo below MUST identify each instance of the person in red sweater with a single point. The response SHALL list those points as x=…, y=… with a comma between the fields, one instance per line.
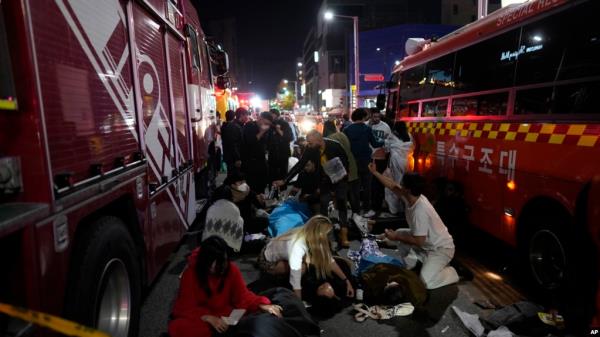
x=212, y=287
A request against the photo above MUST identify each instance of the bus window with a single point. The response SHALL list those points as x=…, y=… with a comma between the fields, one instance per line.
x=541, y=49
x=482, y=105
x=435, y=108
x=487, y=65
x=193, y=47
x=409, y=110
x=565, y=99
x=8, y=101
x=438, y=79
x=411, y=83
x=582, y=58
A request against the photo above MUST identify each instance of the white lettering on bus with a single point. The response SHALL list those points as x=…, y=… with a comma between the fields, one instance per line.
x=524, y=11
x=511, y=164
x=470, y=157
x=486, y=161
x=508, y=55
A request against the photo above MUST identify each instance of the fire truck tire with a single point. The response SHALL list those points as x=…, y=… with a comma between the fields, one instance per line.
x=105, y=279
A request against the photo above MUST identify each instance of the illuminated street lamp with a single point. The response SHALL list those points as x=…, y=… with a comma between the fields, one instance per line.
x=329, y=16
x=299, y=64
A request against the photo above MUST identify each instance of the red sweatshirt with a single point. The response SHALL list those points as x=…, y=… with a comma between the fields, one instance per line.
x=192, y=302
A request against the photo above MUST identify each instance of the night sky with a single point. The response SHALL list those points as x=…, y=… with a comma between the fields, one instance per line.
x=270, y=35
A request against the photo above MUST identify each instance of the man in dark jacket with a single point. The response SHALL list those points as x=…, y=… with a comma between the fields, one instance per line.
x=320, y=151
x=280, y=138
x=361, y=136
x=254, y=151
x=231, y=135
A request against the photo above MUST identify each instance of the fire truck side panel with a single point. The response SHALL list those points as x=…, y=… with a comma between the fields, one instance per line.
x=177, y=81
x=85, y=84
x=119, y=197
x=21, y=133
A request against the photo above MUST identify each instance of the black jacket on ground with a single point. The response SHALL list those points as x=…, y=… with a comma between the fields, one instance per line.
x=332, y=149
x=232, y=137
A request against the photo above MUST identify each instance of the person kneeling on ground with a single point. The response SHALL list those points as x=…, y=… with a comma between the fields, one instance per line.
x=427, y=239
x=212, y=287
x=299, y=248
x=307, y=185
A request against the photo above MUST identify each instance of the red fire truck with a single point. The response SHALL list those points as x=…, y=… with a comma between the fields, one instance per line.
x=504, y=110
x=106, y=110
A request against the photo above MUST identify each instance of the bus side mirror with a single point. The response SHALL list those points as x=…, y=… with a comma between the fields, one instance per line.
x=221, y=63
x=380, y=102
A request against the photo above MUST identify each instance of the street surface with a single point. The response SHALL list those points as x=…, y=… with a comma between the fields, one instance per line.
x=438, y=319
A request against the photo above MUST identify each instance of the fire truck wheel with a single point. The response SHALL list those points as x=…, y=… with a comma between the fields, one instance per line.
x=105, y=282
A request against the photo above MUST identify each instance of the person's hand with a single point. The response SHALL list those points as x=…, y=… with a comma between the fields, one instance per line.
x=278, y=129
x=278, y=183
x=238, y=163
x=372, y=168
x=216, y=322
x=349, y=289
x=272, y=309
x=260, y=198
x=392, y=235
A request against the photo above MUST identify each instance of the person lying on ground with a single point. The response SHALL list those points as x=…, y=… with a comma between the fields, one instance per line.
x=388, y=284
x=294, y=251
x=212, y=287
x=427, y=239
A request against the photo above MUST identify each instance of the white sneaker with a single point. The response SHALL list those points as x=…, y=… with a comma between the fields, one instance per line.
x=371, y=213
x=361, y=223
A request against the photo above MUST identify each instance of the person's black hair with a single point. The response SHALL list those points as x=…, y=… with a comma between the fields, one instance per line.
x=275, y=112
x=234, y=177
x=221, y=192
x=229, y=115
x=329, y=128
x=358, y=114
x=346, y=117
x=401, y=131
x=374, y=111
x=240, y=112
x=393, y=295
x=266, y=115
x=414, y=182
x=212, y=250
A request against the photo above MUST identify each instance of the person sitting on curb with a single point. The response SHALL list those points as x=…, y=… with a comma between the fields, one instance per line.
x=427, y=239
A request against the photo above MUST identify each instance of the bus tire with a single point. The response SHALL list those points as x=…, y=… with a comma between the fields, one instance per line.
x=105, y=279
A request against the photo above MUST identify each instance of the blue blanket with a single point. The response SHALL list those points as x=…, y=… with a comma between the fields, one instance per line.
x=289, y=215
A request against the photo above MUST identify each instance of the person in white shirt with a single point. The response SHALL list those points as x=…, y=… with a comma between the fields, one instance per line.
x=381, y=131
x=427, y=239
x=295, y=250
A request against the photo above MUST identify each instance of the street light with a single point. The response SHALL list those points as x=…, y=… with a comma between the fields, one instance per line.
x=285, y=81
x=329, y=16
x=299, y=64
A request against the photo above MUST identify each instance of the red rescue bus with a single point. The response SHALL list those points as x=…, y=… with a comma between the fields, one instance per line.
x=105, y=112
x=504, y=108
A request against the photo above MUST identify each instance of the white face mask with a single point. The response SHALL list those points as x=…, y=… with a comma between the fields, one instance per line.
x=243, y=187
x=265, y=126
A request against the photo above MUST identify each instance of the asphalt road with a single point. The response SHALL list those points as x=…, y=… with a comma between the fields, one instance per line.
x=438, y=318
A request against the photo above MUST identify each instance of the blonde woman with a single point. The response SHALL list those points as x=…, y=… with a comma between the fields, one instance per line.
x=294, y=251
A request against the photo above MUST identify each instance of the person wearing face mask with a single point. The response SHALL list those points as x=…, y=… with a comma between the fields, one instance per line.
x=381, y=131
x=254, y=152
x=247, y=202
x=398, y=145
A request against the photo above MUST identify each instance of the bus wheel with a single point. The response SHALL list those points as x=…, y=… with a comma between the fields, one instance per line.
x=105, y=281
x=547, y=259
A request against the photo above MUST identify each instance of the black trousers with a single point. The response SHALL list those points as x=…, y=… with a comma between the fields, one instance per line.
x=340, y=194
x=377, y=189
x=257, y=174
x=365, y=177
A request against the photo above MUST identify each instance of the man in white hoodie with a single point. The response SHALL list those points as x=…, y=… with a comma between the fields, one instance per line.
x=427, y=239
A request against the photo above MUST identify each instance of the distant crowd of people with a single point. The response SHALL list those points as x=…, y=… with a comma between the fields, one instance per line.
x=324, y=170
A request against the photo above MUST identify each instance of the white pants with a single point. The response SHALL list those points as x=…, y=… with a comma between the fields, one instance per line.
x=435, y=272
